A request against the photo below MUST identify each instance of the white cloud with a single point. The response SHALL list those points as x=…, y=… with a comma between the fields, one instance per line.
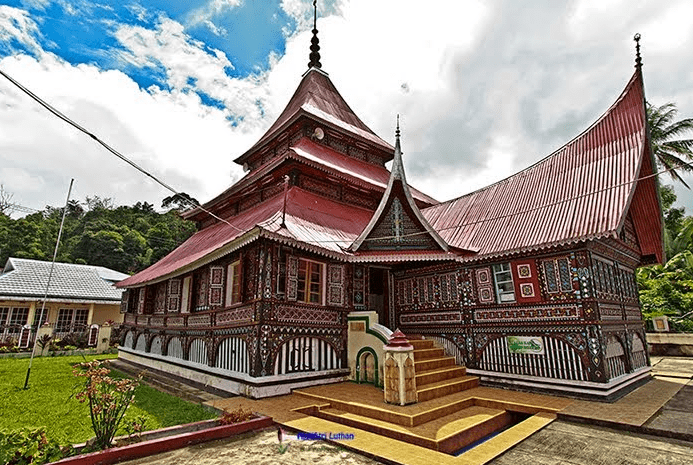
x=138, y=10
x=35, y=4
x=488, y=90
x=17, y=24
x=209, y=11
x=171, y=134
x=216, y=30
x=190, y=65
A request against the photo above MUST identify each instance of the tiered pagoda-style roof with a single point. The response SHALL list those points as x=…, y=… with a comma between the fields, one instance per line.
x=319, y=99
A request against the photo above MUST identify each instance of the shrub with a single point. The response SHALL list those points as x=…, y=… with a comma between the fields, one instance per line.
x=108, y=399
x=681, y=326
x=135, y=427
x=75, y=340
x=235, y=416
x=30, y=446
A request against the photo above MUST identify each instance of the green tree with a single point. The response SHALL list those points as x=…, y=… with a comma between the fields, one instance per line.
x=671, y=151
x=668, y=289
x=180, y=201
x=124, y=238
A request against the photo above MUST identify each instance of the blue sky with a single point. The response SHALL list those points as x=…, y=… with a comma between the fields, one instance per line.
x=86, y=32
x=484, y=88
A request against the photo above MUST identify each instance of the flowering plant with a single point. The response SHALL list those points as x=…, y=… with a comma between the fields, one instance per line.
x=108, y=399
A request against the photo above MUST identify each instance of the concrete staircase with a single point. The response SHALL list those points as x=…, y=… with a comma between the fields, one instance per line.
x=437, y=375
x=165, y=382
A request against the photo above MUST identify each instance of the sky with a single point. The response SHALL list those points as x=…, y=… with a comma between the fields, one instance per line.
x=483, y=88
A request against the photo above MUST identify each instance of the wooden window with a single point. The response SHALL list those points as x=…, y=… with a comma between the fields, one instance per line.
x=12, y=320
x=71, y=320
x=281, y=271
x=174, y=288
x=160, y=298
x=233, y=283
x=43, y=316
x=186, y=294
x=200, y=286
x=310, y=281
x=216, y=286
x=503, y=278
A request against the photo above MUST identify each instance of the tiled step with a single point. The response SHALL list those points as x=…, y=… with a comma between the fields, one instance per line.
x=427, y=354
x=444, y=433
x=433, y=363
x=439, y=374
x=164, y=382
x=422, y=343
x=446, y=387
x=372, y=425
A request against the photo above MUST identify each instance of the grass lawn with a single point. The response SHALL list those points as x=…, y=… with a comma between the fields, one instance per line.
x=50, y=401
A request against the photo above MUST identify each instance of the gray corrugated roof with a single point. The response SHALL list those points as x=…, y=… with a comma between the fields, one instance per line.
x=28, y=278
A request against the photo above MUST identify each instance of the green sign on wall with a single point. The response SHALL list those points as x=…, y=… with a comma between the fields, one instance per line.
x=525, y=345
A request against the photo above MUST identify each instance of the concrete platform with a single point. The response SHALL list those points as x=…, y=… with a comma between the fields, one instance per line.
x=426, y=432
x=416, y=434
x=661, y=407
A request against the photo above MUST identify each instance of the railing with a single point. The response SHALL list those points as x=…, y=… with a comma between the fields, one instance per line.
x=61, y=332
x=242, y=314
x=24, y=335
x=10, y=333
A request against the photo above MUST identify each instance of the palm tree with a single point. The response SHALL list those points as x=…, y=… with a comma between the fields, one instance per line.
x=670, y=151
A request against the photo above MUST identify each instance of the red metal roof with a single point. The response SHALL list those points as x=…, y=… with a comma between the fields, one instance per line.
x=349, y=167
x=581, y=191
x=317, y=96
x=321, y=225
x=324, y=158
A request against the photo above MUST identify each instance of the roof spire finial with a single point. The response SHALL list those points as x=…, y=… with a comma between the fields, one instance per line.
x=314, y=47
x=638, y=59
x=397, y=130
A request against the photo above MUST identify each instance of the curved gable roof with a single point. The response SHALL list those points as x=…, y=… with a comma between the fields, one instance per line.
x=581, y=191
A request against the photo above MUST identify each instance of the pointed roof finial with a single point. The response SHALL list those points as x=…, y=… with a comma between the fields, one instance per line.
x=638, y=59
x=397, y=165
x=314, y=47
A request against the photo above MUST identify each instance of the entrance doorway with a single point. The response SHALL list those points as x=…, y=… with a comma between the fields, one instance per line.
x=378, y=293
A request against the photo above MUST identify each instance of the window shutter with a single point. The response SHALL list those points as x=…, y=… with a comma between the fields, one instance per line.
x=335, y=285
x=484, y=285
x=174, y=286
x=124, y=301
x=216, y=286
x=186, y=294
x=140, y=302
x=291, y=277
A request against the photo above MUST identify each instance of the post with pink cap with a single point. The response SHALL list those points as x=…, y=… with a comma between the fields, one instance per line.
x=400, y=376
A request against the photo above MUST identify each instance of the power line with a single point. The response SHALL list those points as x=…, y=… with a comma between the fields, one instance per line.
x=66, y=119
x=508, y=215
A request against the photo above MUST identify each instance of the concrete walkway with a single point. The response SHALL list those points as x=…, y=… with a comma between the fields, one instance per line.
x=570, y=443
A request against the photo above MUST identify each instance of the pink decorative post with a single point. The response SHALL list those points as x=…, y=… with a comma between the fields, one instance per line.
x=400, y=381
